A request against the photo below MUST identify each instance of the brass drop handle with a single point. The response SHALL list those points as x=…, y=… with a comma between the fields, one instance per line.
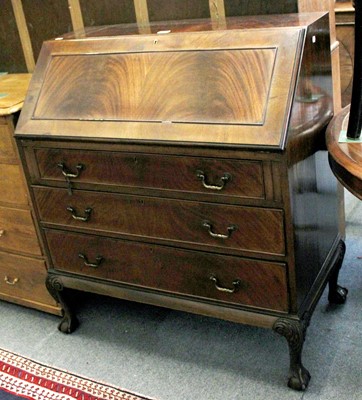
x=11, y=281
x=236, y=285
x=219, y=186
x=230, y=229
x=67, y=173
x=86, y=217
x=2, y=232
x=98, y=262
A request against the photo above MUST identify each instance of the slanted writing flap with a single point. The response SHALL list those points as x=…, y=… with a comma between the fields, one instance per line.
x=210, y=86
x=233, y=87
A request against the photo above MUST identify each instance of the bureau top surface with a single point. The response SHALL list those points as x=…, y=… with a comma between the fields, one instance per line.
x=229, y=83
x=13, y=89
x=197, y=25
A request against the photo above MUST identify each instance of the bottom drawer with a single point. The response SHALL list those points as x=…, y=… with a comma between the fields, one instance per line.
x=24, y=278
x=224, y=278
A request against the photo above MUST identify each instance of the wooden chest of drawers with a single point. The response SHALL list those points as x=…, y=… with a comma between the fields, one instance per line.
x=187, y=169
x=22, y=266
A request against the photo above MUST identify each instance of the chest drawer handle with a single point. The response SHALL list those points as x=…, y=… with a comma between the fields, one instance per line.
x=86, y=217
x=236, y=285
x=98, y=262
x=11, y=282
x=67, y=173
x=219, y=186
x=207, y=225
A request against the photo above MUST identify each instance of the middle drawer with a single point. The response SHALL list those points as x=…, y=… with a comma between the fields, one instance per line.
x=249, y=229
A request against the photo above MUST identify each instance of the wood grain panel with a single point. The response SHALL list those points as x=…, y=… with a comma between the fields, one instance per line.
x=94, y=92
x=12, y=185
x=166, y=219
x=23, y=278
x=263, y=284
x=221, y=86
x=153, y=171
x=7, y=148
x=13, y=88
x=17, y=232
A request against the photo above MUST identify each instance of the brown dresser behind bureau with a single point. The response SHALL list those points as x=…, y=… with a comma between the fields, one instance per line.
x=22, y=265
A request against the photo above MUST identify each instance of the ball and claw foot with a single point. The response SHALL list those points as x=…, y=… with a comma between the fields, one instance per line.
x=338, y=295
x=68, y=324
x=299, y=379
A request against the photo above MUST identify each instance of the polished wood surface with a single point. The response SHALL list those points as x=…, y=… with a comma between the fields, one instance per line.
x=214, y=87
x=140, y=217
x=18, y=232
x=12, y=184
x=13, y=88
x=209, y=212
x=345, y=158
x=22, y=282
x=122, y=170
x=172, y=270
x=7, y=145
x=245, y=22
x=264, y=109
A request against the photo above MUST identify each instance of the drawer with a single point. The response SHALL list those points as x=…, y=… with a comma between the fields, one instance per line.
x=23, y=278
x=192, y=223
x=8, y=154
x=220, y=177
x=249, y=282
x=17, y=232
x=12, y=185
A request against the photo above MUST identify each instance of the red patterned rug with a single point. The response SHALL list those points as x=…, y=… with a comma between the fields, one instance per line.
x=23, y=378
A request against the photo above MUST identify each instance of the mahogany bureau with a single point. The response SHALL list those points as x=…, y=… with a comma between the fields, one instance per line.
x=186, y=168
x=22, y=266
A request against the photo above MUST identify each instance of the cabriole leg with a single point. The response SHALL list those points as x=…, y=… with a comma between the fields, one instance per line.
x=55, y=287
x=294, y=332
x=337, y=294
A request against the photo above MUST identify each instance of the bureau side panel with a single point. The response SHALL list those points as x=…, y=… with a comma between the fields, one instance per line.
x=314, y=204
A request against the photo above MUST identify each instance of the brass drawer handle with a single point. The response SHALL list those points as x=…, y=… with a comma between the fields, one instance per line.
x=98, y=262
x=235, y=283
x=86, y=217
x=11, y=282
x=230, y=229
x=67, y=173
x=219, y=186
x=2, y=232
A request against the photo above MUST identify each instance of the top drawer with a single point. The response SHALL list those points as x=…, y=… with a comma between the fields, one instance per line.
x=241, y=178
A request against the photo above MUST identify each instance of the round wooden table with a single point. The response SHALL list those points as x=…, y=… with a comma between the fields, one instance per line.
x=345, y=158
